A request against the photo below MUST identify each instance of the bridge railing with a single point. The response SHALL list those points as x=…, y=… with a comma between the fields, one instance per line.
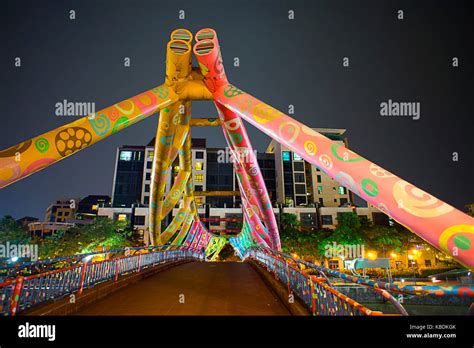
x=383, y=286
x=27, y=268
x=314, y=291
x=20, y=293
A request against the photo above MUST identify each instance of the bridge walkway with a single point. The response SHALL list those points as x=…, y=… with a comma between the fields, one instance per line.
x=194, y=288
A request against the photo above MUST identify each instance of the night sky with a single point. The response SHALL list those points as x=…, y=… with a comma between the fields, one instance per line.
x=282, y=62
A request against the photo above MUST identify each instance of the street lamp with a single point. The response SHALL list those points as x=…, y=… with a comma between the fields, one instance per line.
x=372, y=255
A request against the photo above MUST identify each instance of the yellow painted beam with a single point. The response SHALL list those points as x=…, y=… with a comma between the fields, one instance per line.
x=216, y=193
x=205, y=122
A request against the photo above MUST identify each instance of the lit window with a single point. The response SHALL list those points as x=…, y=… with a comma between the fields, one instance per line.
x=122, y=217
x=151, y=154
x=286, y=156
x=198, y=177
x=320, y=189
x=342, y=190
x=198, y=166
x=198, y=201
x=297, y=157
x=95, y=207
x=176, y=169
x=125, y=155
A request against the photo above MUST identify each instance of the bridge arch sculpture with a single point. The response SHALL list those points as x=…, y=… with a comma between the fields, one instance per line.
x=437, y=222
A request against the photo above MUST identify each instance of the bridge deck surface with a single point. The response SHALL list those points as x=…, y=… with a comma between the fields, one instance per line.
x=224, y=288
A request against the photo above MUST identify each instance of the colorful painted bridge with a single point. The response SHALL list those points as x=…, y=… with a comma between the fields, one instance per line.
x=176, y=280
x=440, y=224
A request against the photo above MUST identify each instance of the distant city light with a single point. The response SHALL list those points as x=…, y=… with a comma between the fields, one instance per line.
x=14, y=259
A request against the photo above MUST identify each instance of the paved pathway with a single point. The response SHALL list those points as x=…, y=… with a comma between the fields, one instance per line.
x=209, y=288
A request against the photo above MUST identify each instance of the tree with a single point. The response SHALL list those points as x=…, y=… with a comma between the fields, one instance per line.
x=384, y=239
x=296, y=241
x=348, y=232
x=11, y=231
x=103, y=233
x=289, y=221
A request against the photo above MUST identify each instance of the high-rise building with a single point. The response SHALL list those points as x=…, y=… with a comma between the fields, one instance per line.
x=146, y=174
x=298, y=183
x=266, y=162
x=220, y=176
x=133, y=170
x=289, y=179
x=199, y=168
x=303, y=189
x=128, y=176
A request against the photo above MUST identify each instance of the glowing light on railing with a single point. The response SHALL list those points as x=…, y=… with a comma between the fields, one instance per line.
x=87, y=258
